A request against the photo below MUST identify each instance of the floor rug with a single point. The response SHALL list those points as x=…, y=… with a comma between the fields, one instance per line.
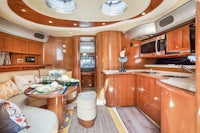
x=103, y=123
x=135, y=121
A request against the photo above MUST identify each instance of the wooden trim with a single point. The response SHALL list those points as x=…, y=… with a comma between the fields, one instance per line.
x=9, y=68
x=197, y=45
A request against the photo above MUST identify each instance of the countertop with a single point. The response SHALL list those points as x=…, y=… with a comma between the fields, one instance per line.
x=181, y=80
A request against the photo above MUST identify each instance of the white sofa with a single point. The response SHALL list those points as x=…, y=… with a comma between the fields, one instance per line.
x=40, y=120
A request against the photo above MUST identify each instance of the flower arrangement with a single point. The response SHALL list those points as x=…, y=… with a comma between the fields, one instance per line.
x=56, y=74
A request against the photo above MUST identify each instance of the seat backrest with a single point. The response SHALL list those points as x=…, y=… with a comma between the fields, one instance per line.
x=5, y=76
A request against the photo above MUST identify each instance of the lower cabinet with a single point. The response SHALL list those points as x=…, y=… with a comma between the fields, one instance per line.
x=119, y=89
x=87, y=79
x=148, y=96
x=178, y=110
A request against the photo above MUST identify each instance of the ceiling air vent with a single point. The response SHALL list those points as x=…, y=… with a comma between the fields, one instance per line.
x=38, y=35
x=166, y=21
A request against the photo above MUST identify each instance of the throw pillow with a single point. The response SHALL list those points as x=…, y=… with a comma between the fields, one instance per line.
x=12, y=120
x=8, y=89
x=24, y=81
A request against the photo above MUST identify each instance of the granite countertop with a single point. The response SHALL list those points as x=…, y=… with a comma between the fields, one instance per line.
x=181, y=80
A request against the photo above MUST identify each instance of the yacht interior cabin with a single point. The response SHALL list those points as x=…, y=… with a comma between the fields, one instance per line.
x=141, y=54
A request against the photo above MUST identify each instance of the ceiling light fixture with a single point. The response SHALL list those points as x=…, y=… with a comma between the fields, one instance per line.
x=61, y=6
x=23, y=10
x=113, y=7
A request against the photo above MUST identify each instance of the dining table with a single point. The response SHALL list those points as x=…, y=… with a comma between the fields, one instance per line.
x=55, y=100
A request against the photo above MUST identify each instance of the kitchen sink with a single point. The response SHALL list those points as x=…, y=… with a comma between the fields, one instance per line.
x=174, y=76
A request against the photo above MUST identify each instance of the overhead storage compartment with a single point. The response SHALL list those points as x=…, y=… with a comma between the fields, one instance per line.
x=183, y=14
x=142, y=32
x=177, y=17
x=17, y=30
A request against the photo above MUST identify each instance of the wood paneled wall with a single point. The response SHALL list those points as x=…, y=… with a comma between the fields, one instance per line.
x=53, y=52
x=133, y=53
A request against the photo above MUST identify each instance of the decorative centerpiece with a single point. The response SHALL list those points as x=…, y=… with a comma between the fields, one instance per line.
x=122, y=59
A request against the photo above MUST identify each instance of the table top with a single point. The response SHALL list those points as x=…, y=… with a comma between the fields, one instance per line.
x=57, y=93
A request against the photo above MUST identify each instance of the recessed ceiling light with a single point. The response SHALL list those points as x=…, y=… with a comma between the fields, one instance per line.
x=103, y=23
x=50, y=21
x=75, y=24
x=23, y=10
x=143, y=13
x=113, y=7
x=61, y=6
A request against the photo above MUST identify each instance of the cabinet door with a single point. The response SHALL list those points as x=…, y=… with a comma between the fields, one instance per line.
x=174, y=40
x=179, y=39
x=15, y=45
x=8, y=44
x=178, y=111
x=35, y=48
x=186, y=38
x=139, y=88
x=156, y=104
x=124, y=86
x=1, y=42
x=120, y=89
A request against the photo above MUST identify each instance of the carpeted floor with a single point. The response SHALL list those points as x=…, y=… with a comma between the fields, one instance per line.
x=135, y=121
x=103, y=123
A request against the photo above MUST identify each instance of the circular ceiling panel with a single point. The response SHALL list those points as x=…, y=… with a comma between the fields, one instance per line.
x=87, y=14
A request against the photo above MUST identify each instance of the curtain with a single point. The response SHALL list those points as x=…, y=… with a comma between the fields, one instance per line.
x=5, y=58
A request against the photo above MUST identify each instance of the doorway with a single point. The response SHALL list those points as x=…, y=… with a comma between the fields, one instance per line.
x=87, y=62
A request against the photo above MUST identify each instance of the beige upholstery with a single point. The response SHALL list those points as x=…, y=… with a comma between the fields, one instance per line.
x=5, y=76
x=86, y=105
x=39, y=120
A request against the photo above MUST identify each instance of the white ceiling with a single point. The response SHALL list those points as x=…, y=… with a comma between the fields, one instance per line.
x=89, y=10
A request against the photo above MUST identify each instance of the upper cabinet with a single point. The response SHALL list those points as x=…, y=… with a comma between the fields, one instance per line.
x=35, y=47
x=179, y=39
x=9, y=43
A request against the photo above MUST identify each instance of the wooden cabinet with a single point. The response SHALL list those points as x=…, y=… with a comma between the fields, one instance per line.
x=87, y=79
x=119, y=89
x=178, y=110
x=35, y=48
x=178, y=39
x=148, y=96
x=9, y=43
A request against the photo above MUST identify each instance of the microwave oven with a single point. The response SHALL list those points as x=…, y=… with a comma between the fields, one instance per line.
x=155, y=45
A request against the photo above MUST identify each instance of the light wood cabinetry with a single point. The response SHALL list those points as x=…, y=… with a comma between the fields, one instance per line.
x=178, y=110
x=9, y=43
x=148, y=96
x=119, y=89
x=178, y=39
x=35, y=47
x=87, y=79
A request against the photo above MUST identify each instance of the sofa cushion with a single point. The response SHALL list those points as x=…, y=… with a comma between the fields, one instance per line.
x=12, y=120
x=40, y=120
x=24, y=81
x=8, y=89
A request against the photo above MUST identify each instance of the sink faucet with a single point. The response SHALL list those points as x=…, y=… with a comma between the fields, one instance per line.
x=187, y=69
